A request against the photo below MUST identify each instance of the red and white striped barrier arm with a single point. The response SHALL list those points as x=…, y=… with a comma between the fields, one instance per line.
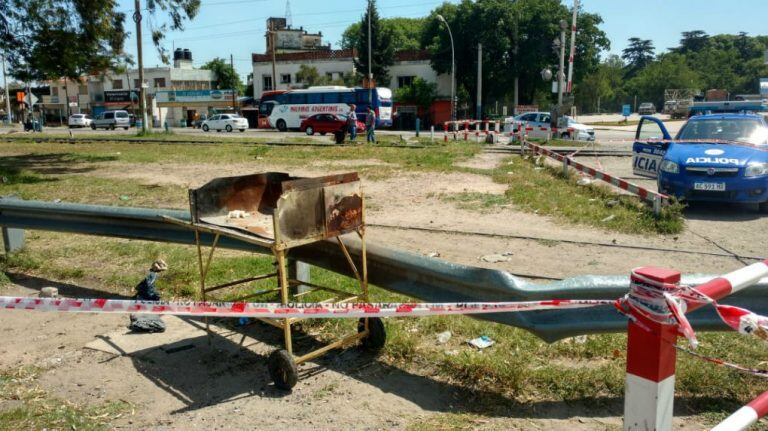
x=642, y=192
x=746, y=416
x=732, y=282
x=276, y=310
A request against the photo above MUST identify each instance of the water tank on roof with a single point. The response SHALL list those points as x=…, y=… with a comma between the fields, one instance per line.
x=187, y=54
x=178, y=54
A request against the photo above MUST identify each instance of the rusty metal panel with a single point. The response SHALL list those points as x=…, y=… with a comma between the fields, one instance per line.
x=306, y=183
x=300, y=216
x=254, y=195
x=343, y=208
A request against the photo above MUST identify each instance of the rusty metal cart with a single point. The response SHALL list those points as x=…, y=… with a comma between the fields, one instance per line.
x=279, y=212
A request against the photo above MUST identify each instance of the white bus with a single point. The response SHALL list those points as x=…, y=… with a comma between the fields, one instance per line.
x=290, y=108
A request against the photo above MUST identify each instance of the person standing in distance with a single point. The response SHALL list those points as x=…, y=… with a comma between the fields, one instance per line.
x=352, y=123
x=370, y=125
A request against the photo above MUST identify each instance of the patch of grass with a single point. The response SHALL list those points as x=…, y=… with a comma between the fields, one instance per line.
x=476, y=200
x=10, y=175
x=542, y=189
x=449, y=421
x=35, y=409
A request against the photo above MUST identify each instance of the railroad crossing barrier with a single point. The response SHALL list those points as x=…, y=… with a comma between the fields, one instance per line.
x=656, y=199
x=481, y=128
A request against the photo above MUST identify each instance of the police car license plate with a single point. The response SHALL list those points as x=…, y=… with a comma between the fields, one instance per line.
x=715, y=187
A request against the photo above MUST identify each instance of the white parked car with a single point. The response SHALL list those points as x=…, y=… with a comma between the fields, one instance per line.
x=228, y=122
x=538, y=124
x=79, y=120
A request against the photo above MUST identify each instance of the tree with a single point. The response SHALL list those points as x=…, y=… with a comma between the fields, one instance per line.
x=638, y=54
x=693, y=41
x=309, y=75
x=225, y=77
x=382, y=49
x=406, y=33
x=517, y=42
x=50, y=39
x=670, y=71
x=420, y=93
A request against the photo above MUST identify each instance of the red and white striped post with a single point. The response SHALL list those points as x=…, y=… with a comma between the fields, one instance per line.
x=445, y=132
x=650, y=383
x=746, y=416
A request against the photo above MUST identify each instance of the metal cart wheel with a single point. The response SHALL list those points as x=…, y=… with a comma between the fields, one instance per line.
x=377, y=336
x=282, y=369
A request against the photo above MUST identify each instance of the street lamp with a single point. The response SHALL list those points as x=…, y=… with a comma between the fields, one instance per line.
x=453, y=69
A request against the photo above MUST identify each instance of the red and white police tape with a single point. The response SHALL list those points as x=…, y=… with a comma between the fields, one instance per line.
x=277, y=310
x=746, y=416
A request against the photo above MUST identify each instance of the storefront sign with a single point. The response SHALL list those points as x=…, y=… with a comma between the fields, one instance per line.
x=193, y=96
x=121, y=97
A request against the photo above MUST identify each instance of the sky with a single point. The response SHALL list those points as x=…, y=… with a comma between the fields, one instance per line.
x=237, y=27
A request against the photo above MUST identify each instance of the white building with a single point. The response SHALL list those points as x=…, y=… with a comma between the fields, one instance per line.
x=333, y=64
x=96, y=93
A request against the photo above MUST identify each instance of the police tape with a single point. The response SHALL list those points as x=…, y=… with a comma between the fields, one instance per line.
x=285, y=311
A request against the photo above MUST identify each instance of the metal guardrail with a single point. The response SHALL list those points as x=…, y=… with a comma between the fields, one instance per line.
x=421, y=277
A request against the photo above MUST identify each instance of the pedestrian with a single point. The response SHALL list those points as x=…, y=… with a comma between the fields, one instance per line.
x=370, y=125
x=145, y=290
x=352, y=123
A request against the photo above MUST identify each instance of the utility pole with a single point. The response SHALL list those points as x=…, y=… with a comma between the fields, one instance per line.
x=234, y=90
x=370, y=70
x=573, y=46
x=479, y=105
x=7, y=97
x=561, y=71
x=142, y=89
x=453, y=71
x=517, y=79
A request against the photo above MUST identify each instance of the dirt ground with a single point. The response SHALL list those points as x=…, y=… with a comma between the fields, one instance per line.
x=177, y=380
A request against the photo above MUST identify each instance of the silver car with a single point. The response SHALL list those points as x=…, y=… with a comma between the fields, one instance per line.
x=112, y=120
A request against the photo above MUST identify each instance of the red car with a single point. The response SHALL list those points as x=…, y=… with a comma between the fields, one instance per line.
x=327, y=123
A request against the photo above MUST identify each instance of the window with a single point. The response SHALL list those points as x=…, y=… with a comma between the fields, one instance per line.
x=405, y=81
x=545, y=118
x=528, y=117
x=55, y=91
x=329, y=75
x=285, y=78
x=117, y=84
x=348, y=98
x=315, y=98
x=331, y=98
x=297, y=98
x=121, y=114
x=82, y=89
x=109, y=115
x=159, y=82
x=136, y=83
x=266, y=82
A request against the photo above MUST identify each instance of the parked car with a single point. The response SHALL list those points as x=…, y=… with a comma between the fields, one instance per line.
x=720, y=158
x=79, y=120
x=227, y=122
x=646, y=108
x=539, y=125
x=111, y=120
x=327, y=123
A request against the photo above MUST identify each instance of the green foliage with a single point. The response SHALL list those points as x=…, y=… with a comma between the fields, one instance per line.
x=382, y=48
x=670, y=71
x=420, y=93
x=225, y=76
x=406, y=33
x=638, y=55
x=516, y=41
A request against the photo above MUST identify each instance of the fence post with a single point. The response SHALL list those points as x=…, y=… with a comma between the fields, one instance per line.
x=649, y=390
x=432, y=134
x=565, y=166
x=657, y=205
x=13, y=239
